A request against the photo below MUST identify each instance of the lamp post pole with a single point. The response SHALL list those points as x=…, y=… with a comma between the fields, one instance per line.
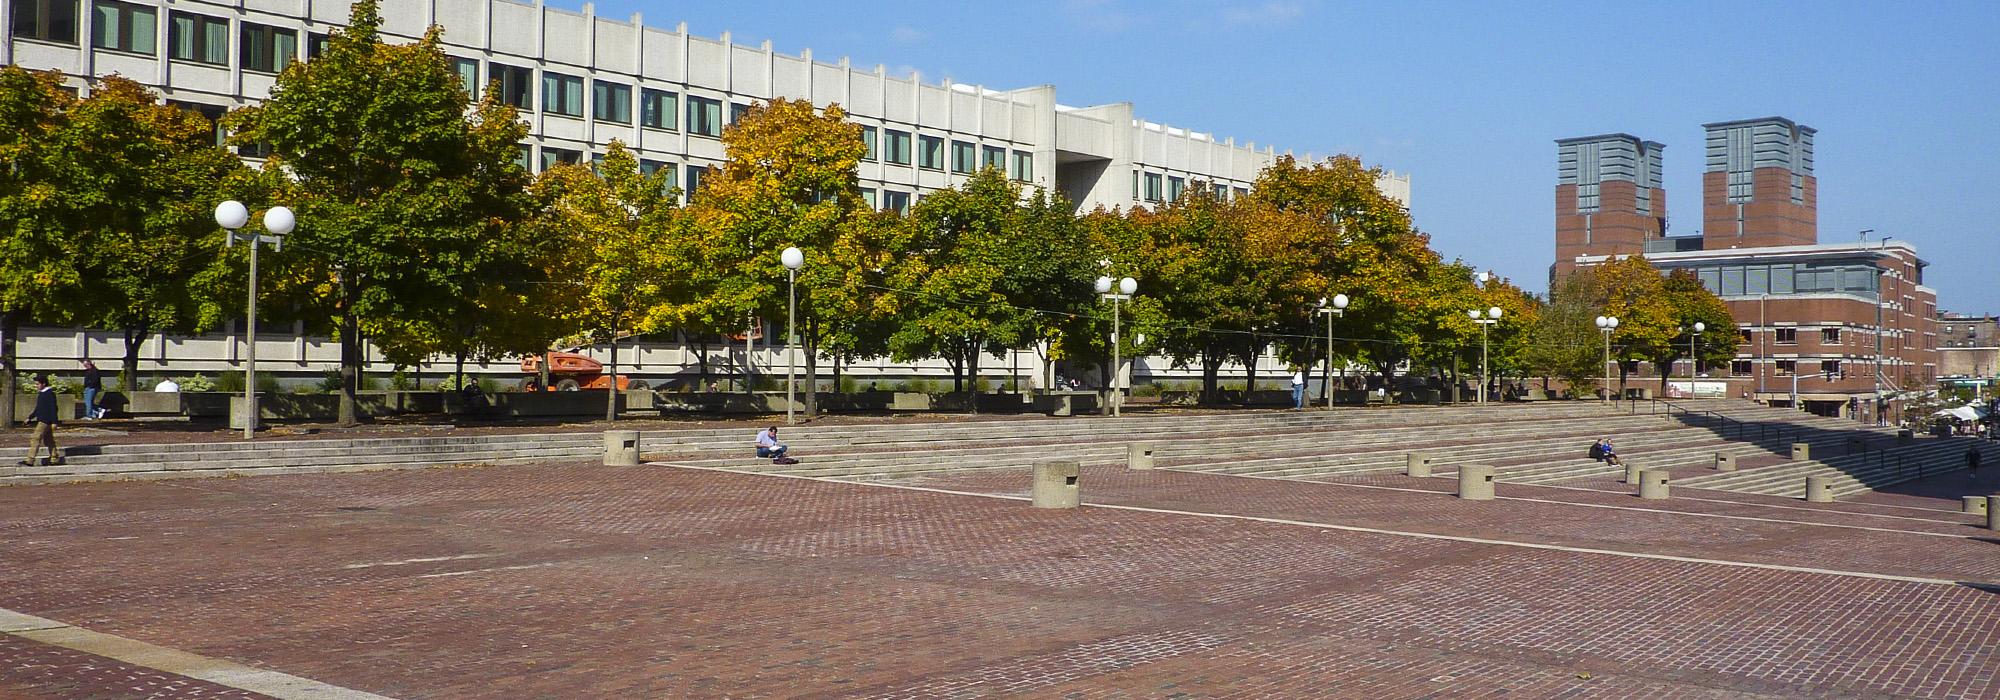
x=1491, y=317
x=1126, y=287
x=1694, y=360
x=1336, y=307
x=1606, y=324
x=793, y=258
x=278, y=221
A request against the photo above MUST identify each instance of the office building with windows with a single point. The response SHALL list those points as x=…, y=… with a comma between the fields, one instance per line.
x=1840, y=329
x=1608, y=197
x=582, y=81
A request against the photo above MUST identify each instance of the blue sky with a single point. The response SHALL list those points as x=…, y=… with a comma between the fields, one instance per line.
x=1468, y=97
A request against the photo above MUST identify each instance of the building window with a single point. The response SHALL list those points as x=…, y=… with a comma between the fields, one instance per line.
x=670, y=176
x=1024, y=166
x=1798, y=189
x=47, y=20
x=1787, y=336
x=659, y=109
x=1829, y=368
x=1242, y=192
x=1785, y=368
x=1221, y=192
x=695, y=175
x=468, y=75
x=964, y=157
x=930, y=152
x=199, y=38
x=524, y=156
x=868, y=142
x=316, y=45
x=1829, y=336
x=1741, y=368
x=611, y=102
x=1739, y=187
x=993, y=157
x=898, y=202
x=736, y=111
x=704, y=119
x=562, y=94
x=1155, y=187
x=122, y=26
x=868, y=195
x=1743, y=336
x=268, y=49
x=1175, y=186
x=897, y=148
x=213, y=113
x=1586, y=199
x=552, y=157
x=517, y=85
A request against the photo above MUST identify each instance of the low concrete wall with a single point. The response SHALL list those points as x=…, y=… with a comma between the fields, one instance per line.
x=68, y=406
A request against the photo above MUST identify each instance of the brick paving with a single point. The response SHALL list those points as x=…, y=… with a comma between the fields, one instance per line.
x=33, y=671
x=573, y=581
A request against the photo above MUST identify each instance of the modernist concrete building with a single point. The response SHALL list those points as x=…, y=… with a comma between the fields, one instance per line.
x=1848, y=327
x=583, y=80
x=1969, y=347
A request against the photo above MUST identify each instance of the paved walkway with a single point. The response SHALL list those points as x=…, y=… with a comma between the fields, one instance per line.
x=569, y=581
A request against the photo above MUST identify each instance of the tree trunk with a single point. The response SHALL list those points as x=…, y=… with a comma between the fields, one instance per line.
x=542, y=372
x=129, y=363
x=1250, y=371
x=350, y=366
x=957, y=363
x=457, y=372
x=972, y=371
x=1211, y=375
x=10, y=329
x=700, y=361
x=611, y=405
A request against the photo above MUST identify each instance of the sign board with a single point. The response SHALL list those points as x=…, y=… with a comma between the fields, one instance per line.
x=1698, y=390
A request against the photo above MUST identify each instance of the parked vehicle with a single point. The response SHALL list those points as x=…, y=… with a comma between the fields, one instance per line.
x=569, y=371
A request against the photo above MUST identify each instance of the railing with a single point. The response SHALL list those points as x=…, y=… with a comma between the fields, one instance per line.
x=1726, y=426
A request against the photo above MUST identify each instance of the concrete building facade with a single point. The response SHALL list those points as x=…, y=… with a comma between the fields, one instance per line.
x=1838, y=329
x=582, y=80
x=1968, y=346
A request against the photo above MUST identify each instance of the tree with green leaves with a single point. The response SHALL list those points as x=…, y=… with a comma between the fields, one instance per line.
x=791, y=180
x=144, y=236
x=1692, y=303
x=1648, y=323
x=612, y=223
x=959, y=304
x=398, y=181
x=1564, y=343
x=37, y=268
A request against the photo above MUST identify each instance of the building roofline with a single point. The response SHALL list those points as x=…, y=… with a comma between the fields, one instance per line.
x=1761, y=120
x=1875, y=249
x=1619, y=136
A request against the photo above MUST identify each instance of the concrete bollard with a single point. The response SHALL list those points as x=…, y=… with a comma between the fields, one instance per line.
x=1725, y=463
x=1417, y=464
x=1801, y=451
x=1475, y=482
x=1631, y=472
x=1993, y=513
x=1055, y=485
x=1653, y=484
x=1975, y=505
x=1819, y=489
x=1139, y=455
x=621, y=448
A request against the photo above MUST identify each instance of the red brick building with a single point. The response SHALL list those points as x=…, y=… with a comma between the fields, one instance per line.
x=1850, y=327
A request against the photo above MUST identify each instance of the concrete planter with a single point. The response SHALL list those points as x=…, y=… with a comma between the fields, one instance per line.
x=1351, y=397
x=1069, y=403
x=68, y=407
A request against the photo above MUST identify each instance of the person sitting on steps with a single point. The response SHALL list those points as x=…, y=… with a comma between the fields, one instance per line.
x=768, y=446
x=1603, y=452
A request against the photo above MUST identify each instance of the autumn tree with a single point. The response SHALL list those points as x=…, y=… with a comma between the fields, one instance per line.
x=398, y=181
x=1632, y=290
x=37, y=271
x=955, y=271
x=790, y=180
x=614, y=224
x=1563, y=342
x=1691, y=303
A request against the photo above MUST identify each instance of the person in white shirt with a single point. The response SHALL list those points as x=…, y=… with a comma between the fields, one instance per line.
x=768, y=445
x=1298, y=388
x=166, y=386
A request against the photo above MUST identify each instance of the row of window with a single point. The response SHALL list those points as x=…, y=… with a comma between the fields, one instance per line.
x=1790, y=336
x=1742, y=280
x=1785, y=368
x=1155, y=187
x=133, y=28
x=893, y=147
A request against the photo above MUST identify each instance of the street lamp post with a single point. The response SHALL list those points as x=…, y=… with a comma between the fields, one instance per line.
x=1492, y=316
x=279, y=221
x=1694, y=360
x=1337, y=307
x=1126, y=288
x=793, y=258
x=1606, y=324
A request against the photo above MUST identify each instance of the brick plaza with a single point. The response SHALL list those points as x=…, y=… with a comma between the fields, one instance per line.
x=576, y=580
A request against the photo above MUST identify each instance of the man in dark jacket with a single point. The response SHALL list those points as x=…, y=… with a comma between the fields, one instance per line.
x=44, y=422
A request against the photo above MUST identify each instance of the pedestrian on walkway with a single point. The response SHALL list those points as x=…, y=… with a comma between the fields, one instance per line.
x=1972, y=462
x=43, y=420
x=1298, y=388
x=93, y=386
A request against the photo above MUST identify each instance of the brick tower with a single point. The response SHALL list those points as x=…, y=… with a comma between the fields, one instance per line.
x=1608, y=197
x=1758, y=189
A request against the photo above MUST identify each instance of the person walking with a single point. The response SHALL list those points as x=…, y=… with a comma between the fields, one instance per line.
x=1298, y=388
x=93, y=386
x=1972, y=462
x=43, y=420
